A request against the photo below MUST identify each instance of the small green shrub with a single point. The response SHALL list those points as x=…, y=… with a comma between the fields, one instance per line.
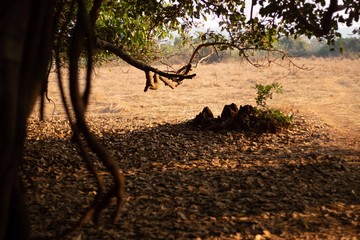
x=273, y=119
x=265, y=92
x=269, y=118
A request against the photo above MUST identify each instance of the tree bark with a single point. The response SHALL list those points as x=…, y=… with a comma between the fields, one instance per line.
x=25, y=45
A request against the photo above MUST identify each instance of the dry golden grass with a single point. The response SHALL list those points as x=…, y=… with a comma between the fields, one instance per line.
x=329, y=90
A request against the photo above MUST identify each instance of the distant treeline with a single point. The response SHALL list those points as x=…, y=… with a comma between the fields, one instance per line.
x=303, y=47
x=178, y=52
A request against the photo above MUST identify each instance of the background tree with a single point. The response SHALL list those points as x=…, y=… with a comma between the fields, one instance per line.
x=75, y=29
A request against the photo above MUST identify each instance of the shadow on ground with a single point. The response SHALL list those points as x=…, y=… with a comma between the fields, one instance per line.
x=186, y=183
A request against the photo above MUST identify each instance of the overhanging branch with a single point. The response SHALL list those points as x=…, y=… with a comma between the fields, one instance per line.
x=242, y=50
x=177, y=77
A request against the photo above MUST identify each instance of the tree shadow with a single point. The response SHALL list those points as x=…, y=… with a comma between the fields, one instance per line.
x=186, y=183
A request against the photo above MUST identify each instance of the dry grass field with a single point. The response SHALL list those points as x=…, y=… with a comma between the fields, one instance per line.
x=328, y=90
x=183, y=183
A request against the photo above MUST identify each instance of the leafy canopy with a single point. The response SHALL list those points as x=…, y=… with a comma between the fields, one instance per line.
x=137, y=25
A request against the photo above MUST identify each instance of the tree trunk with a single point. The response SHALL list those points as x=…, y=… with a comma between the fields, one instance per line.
x=25, y=45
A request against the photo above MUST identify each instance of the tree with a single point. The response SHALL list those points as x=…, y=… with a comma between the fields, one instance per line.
x=32, y=33
x=318, y=18
x=343, y=46
x=295, y=47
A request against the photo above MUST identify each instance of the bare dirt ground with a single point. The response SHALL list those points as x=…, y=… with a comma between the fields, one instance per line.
x=185, y=183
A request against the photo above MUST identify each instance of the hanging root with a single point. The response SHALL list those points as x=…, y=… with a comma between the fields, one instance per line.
x=82, y=31
x=102, y=201
x=84, y=138
x=117, y=190
x=151, y=82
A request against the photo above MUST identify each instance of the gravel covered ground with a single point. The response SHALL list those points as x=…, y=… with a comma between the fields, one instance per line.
x=187, y=183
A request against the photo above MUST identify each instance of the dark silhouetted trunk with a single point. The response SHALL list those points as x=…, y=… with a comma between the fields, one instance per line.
x=25, y=45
